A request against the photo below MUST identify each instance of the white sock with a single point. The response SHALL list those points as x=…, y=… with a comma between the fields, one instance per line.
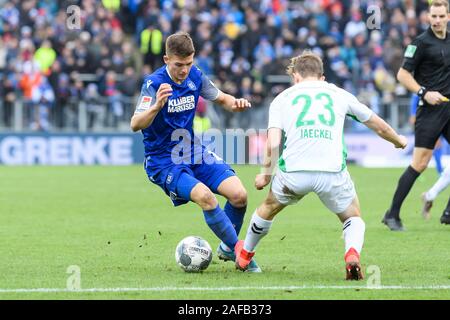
x=257, y=229
x=354, y=229
x=440, y=185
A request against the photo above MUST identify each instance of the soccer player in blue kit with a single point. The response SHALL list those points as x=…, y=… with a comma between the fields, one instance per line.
x=165, y=112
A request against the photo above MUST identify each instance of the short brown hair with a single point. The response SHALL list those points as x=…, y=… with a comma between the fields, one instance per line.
x=180, y=44
x=308, y=64
x=438, y=3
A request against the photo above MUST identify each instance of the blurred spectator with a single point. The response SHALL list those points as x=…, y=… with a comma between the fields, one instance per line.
x=385, y=82
x=347, y=53
x=355, y=26
x=201, y=121
x=8, y=92
x=112, y=5
x=3, y=56
x=61, y=86
x=45, y=56
x=76, y=93
x=127, y=87
x=95, y=109
x=30, y=79
x=151, y=44
x=263, y=52
x=131, y=56
x=204, y=60
x=43, y=98
x=112, y=93
x=129, y=82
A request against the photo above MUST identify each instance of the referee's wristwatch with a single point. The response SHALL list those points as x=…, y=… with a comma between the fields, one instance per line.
x=421, y=93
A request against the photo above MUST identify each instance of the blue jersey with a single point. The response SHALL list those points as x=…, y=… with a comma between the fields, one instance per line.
x=177, y=113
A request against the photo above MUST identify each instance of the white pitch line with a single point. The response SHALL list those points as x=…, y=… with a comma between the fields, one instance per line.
x=160, y=289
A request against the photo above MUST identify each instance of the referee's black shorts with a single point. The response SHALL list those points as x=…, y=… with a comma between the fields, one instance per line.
x=431, y=122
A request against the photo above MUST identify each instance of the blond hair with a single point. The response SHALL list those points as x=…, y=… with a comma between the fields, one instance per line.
x=308, y=64
x=439, y=3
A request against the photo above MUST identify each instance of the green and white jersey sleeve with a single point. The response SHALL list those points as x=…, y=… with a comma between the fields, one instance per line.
x=312, y=116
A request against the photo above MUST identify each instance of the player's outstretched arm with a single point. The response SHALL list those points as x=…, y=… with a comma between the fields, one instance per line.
x=145, y=118
x=271, y=156
x=232, y=104
x=384, y=130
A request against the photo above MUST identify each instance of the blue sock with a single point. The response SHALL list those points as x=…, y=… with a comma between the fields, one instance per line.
x=437, y=153
x=236, y=215
x=221, y=225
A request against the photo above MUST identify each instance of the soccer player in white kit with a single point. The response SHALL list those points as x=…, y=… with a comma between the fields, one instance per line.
x=311, y=114
x=429, y=196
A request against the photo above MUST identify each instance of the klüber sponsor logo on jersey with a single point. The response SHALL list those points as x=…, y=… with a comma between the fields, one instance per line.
x=181, y=104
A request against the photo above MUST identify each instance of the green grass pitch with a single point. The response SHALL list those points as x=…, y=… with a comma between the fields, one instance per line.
x=121, y=232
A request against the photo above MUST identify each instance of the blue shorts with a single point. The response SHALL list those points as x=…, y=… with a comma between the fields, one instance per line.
x=178, y=180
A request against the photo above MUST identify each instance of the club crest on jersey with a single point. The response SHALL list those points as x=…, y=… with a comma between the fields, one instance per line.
x=192, y=85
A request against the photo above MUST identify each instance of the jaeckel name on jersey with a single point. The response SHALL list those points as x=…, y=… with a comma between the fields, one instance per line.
x=316, y=134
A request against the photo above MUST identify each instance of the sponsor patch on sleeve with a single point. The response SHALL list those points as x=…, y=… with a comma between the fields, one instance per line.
x=144, y=104
x=410, y=51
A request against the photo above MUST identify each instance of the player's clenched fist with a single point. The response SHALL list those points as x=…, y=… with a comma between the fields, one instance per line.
x=402, y=142
x=241, y=104
x=164, y=92
x=262, y=180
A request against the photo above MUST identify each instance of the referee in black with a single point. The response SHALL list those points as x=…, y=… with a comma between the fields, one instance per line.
x=425, y=71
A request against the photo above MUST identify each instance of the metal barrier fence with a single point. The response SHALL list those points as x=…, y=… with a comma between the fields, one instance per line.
x=75, y=115
x=113, y=115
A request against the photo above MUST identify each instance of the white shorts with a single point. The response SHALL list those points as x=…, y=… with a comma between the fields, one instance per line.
x=335, y=189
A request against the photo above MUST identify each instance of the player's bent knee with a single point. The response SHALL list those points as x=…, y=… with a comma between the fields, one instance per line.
x=267, y=212
x=204, y=197
x=353, y=210
x=421, y=160
x=269, y=208
x=238, y=198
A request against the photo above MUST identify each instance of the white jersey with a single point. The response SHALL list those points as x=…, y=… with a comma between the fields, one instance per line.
x=312, y=114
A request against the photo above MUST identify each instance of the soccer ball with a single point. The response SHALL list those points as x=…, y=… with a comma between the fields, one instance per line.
x=193, y=254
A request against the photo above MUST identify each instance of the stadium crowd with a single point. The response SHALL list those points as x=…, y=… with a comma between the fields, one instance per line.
x=51, y=65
